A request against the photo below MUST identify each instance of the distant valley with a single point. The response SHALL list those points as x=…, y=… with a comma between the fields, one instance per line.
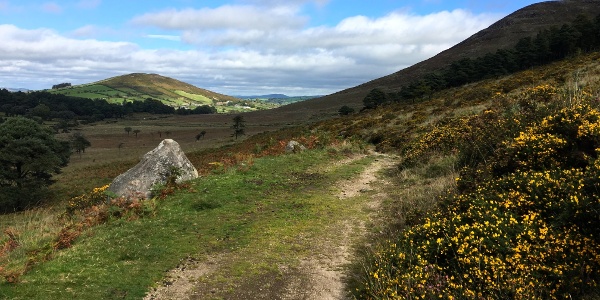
x=280, y=99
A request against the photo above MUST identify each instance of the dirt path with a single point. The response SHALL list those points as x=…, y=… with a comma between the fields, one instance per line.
x=319, y=276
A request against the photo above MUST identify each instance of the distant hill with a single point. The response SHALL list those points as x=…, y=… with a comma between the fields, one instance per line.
x=13, y=90
x=140, y=86
x=505, y=33
x=278, y=99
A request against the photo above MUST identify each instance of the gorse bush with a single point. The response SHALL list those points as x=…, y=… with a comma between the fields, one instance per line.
x=523, y=223
x=95, y=197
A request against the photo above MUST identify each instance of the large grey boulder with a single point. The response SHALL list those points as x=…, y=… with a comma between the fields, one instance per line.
x=154, y=168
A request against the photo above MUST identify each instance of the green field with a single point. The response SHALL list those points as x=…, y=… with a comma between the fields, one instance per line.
x=126, y=90
x=201, y=99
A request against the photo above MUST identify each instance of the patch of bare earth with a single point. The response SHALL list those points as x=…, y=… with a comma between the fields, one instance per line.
x=320, y=276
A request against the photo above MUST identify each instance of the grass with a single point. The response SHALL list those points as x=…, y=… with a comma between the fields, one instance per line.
x=201, y=99
x=175, y=98
x=251, y=220
x=254, y=215
x=414, y=193
x=138, y=87
x=93, y=91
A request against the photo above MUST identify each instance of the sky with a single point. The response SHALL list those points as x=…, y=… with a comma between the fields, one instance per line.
x=233, y=47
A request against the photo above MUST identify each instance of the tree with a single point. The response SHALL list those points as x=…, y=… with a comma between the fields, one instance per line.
x=374, y=98
x=136, y=132
x=563, y=41
x=128, y=130
x=238, y=126
x=204, y=109
x=42, y=111
x=345, y=110
x=200, y=135
x=61, y=85
x=526, y=52
x=29, y=156
x=79, y=143
x=66, y=115
x=586, y=29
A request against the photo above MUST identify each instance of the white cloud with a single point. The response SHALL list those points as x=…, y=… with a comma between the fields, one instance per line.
x=223, y=17
x=395, y=28
x=267, y=50
x=396, y=39
x=48, y=46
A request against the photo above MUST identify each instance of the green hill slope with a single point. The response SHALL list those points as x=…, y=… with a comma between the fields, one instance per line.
x=140, y=86
x=503, y=34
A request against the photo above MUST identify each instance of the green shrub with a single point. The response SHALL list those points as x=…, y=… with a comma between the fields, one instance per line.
x=29, y=156
x=96, y=197
x=523, y=225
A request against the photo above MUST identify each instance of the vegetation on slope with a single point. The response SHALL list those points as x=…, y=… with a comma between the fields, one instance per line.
x=553, y=44
x=526, y=22
x=496, y=198
x=518, y=222
x=139, y=87
x=70, y=111
x=521, y=220
x=117, y=250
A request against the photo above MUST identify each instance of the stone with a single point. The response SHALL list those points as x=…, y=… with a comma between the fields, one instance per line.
x=153, y=169
x=293, y=147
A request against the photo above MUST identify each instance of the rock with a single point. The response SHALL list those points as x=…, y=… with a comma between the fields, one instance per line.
x=154, y=168
x=293, y=147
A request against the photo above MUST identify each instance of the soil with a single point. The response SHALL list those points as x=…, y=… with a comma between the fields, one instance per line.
x=320, y=276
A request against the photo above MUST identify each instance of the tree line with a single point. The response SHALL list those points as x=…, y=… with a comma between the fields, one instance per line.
x=46, y=105
x=552, y=44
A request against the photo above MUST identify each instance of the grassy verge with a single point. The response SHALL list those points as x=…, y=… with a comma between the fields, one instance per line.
x=262, y=215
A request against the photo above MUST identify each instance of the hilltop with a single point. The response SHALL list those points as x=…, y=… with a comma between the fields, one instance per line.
x=159, y=86
x=503, y=34
x=170, y=91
